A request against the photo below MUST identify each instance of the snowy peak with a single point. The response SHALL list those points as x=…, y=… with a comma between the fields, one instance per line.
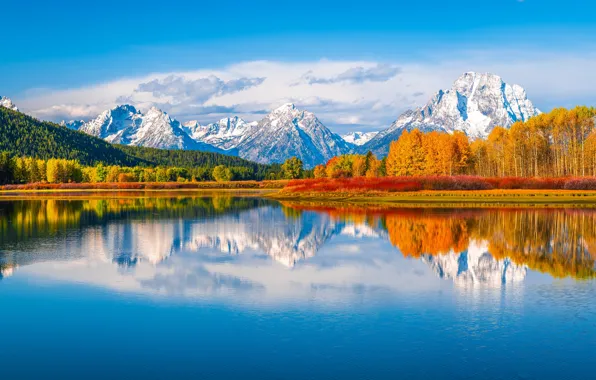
x=475, y=104
x=287, y=132
x=113, y=124
x=285, y=108
x=226, y=134
x=7, y=103
x=359, y=138
x=126, y=125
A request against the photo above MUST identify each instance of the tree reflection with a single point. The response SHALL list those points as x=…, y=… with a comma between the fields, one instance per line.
x=560, y=242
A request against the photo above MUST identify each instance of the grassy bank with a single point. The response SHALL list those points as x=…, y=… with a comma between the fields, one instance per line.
x=123, y=186
x=440, y=197
x=136, y=189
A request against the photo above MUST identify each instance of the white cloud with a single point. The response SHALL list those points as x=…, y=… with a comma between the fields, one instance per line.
x=379, y=73
x=182, y=90
x=346, y=95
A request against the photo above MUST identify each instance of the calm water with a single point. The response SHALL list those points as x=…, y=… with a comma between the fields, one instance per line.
x=249, y=288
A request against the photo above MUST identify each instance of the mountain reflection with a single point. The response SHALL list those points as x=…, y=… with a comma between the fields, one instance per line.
x=207, y=245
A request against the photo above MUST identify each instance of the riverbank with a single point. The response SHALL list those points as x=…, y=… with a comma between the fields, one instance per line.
x=152, y=189
x=119, y=186
x=278, y=190
x=439, y=197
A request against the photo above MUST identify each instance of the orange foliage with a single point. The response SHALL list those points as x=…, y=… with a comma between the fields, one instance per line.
x=561, y=243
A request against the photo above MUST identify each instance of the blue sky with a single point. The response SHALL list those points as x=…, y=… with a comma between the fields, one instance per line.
x=62, y=46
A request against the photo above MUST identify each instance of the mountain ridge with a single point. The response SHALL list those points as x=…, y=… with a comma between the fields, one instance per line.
x=475, y=104
x=126, y=125
x=289, y=132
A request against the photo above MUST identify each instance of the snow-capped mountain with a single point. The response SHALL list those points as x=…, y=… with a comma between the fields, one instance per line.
x=72, y=124
x=7, y=103
x=114, y=125
x=156, y=129
x=288, y=132
x=359, y=138
x=474, y=105
x=225, y=134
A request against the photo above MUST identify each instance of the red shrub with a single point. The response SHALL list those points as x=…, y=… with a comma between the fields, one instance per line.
x=581, y=184
x=445, y=183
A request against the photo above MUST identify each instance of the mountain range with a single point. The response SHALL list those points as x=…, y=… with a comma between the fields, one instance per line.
x=127, y=126
x=475, y=104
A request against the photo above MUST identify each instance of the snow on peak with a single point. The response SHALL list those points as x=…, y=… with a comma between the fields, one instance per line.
x=359, y=138
x=7, y=103
x=285, y=108
x=475, y=104
x=156, y=129
x=225, y=134
x=288, y=132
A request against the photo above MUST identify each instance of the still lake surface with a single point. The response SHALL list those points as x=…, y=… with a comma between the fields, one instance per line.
x=231, y=287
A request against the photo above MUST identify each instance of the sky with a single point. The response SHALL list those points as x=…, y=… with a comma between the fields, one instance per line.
x=356, y=65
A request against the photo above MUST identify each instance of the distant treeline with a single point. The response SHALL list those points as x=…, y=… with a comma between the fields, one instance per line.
x=24, y=170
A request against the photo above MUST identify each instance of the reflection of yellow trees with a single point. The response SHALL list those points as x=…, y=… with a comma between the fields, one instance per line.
x=561, y=243
x=23, y=219
x=427, y=234
x=221, y=203
x=550, y=241
x=49, y=215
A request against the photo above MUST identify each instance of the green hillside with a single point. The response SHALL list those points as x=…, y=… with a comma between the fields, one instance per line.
x=22, y=135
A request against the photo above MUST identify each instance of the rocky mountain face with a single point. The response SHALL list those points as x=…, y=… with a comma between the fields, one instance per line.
x=474, y=105
x=359, y=138
x=156, y=129
x=288, y=132
x=226, y=134
x=7, y=103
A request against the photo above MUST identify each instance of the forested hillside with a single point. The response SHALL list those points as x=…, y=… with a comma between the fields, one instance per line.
x=22, y=135
x=25, y=136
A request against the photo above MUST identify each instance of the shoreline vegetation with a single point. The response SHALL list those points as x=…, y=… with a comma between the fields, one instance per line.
x=406, y=191
x=438, y=190
x=132, y=186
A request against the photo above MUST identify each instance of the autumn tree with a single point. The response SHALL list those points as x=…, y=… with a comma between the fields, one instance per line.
x=320, y=171
x=292, y=168
x=222, y=174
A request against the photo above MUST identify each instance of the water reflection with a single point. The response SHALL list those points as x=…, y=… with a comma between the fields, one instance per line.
x=260, y=249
